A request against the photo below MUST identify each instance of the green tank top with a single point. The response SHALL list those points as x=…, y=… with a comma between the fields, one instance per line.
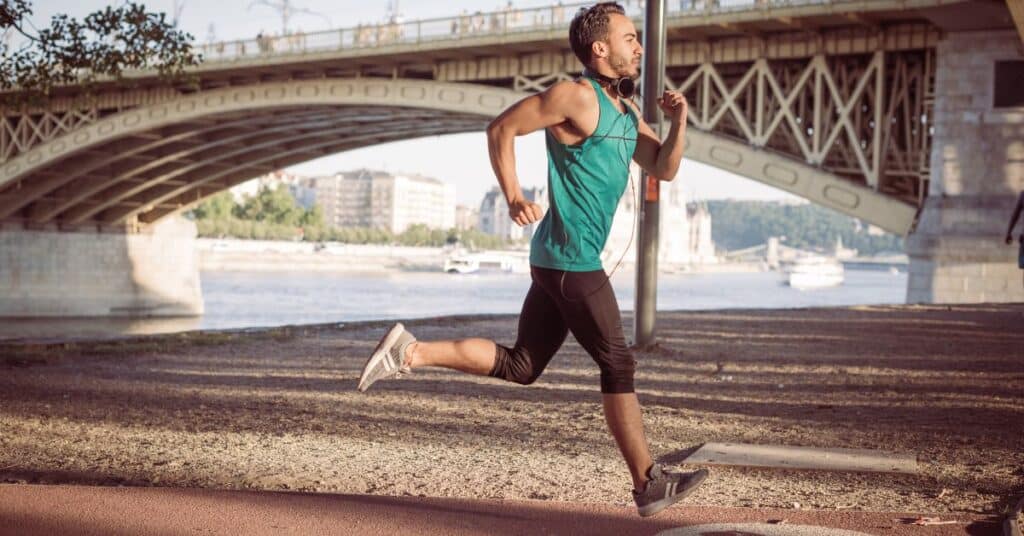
x=585, y=182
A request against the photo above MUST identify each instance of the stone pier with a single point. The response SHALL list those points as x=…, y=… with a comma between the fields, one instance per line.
x=58, y=273
x=957, y=253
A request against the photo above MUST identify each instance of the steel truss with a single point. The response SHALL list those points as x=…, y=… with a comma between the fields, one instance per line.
x=20, y=133
x=822, y=111
x=864, y=117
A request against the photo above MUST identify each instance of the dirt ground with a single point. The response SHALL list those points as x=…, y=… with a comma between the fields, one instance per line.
x=277, y=409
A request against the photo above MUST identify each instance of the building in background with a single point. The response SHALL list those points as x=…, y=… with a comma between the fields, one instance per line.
x=377, y=199
x=494, y=217
x=272, y=180
x=684, y=228
x=304, y=193
x=466, y=218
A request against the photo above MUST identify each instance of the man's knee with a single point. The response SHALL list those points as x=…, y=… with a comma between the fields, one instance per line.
x=515, y=365
x=522, y=369
x=617, y=375
x=525, y=377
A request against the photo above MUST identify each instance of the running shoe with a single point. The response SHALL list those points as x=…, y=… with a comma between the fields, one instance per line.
x=664, y=489
x=388, y=359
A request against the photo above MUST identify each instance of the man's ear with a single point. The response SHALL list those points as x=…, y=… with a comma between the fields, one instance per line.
x=599, y=49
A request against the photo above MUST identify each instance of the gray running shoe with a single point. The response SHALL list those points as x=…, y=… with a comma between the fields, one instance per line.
x=665, y=489
x=388, y=359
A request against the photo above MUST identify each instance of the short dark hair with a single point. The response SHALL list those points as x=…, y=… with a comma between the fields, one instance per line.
x=589, y=25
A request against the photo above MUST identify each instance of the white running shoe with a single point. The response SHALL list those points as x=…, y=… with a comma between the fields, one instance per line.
x=388, y=359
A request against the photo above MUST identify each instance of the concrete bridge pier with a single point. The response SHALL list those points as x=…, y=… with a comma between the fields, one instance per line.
x=957, y=253
x=58, y=273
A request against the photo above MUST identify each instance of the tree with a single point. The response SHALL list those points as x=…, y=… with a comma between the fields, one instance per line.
x=274, y=205
x=216, y=207
x=313, y=217
x=415, y=235
x=102, y=45
x=741, y=224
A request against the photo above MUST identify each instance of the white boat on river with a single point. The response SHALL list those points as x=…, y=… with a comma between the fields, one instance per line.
x=813, y=272
x=495, y=261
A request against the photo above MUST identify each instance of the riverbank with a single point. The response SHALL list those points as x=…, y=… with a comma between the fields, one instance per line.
x=276, y=409
x=231, y=255
x=227, y=255
x=239, y=299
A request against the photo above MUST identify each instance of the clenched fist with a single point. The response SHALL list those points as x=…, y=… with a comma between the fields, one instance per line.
x=524, y=212
x=674, y=104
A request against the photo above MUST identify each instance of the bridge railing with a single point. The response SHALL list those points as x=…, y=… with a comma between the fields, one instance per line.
x=463, y=26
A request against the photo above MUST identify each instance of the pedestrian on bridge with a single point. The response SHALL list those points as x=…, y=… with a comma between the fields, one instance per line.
x=593, y=130
x=1009, y=230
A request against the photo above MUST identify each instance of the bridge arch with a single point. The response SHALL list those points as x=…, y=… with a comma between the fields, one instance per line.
x=147, y=162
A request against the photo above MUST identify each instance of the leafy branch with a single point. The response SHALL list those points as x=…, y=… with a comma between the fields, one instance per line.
x=101, y=46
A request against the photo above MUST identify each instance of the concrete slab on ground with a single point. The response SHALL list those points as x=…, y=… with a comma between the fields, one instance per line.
x=821, y=459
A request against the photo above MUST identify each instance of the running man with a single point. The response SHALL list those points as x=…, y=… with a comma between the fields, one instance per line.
x=592, y=130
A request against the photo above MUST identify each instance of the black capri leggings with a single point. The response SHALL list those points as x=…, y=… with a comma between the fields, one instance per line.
x=559, y=302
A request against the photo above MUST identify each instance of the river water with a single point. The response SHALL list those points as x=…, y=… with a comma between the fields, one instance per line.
x=260, y=299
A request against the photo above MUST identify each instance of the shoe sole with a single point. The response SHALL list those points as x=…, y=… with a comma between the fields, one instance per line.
x=657, y=506
x=379, y=353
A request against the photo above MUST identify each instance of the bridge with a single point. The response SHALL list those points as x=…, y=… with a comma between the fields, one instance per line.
x=892, y=111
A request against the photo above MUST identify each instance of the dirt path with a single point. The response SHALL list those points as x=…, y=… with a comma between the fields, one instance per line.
x=108, y=511
x=277, y=410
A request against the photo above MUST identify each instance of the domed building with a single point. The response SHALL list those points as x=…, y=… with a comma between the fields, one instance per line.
x=684, y=230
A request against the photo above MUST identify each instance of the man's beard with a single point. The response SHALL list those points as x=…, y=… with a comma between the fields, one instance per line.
x=622, y=67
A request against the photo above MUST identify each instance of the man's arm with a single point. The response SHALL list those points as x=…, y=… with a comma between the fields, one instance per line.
x=1013, y=219
x=661, y=158
x=555, y=105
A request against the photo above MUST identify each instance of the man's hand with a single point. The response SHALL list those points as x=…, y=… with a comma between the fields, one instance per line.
x=524, y=212
x=674, y=104
x=1009, y=239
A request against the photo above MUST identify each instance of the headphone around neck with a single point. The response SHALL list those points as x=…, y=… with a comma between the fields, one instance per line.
x=625, y=87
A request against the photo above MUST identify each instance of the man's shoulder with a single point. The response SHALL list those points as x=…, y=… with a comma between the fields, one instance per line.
x=572, y=92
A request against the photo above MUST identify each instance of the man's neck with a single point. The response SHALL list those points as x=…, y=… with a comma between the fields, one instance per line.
x=605, y=82
x=602, y=75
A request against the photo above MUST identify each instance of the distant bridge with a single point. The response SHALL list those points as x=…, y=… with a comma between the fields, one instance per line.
x=828, y=99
